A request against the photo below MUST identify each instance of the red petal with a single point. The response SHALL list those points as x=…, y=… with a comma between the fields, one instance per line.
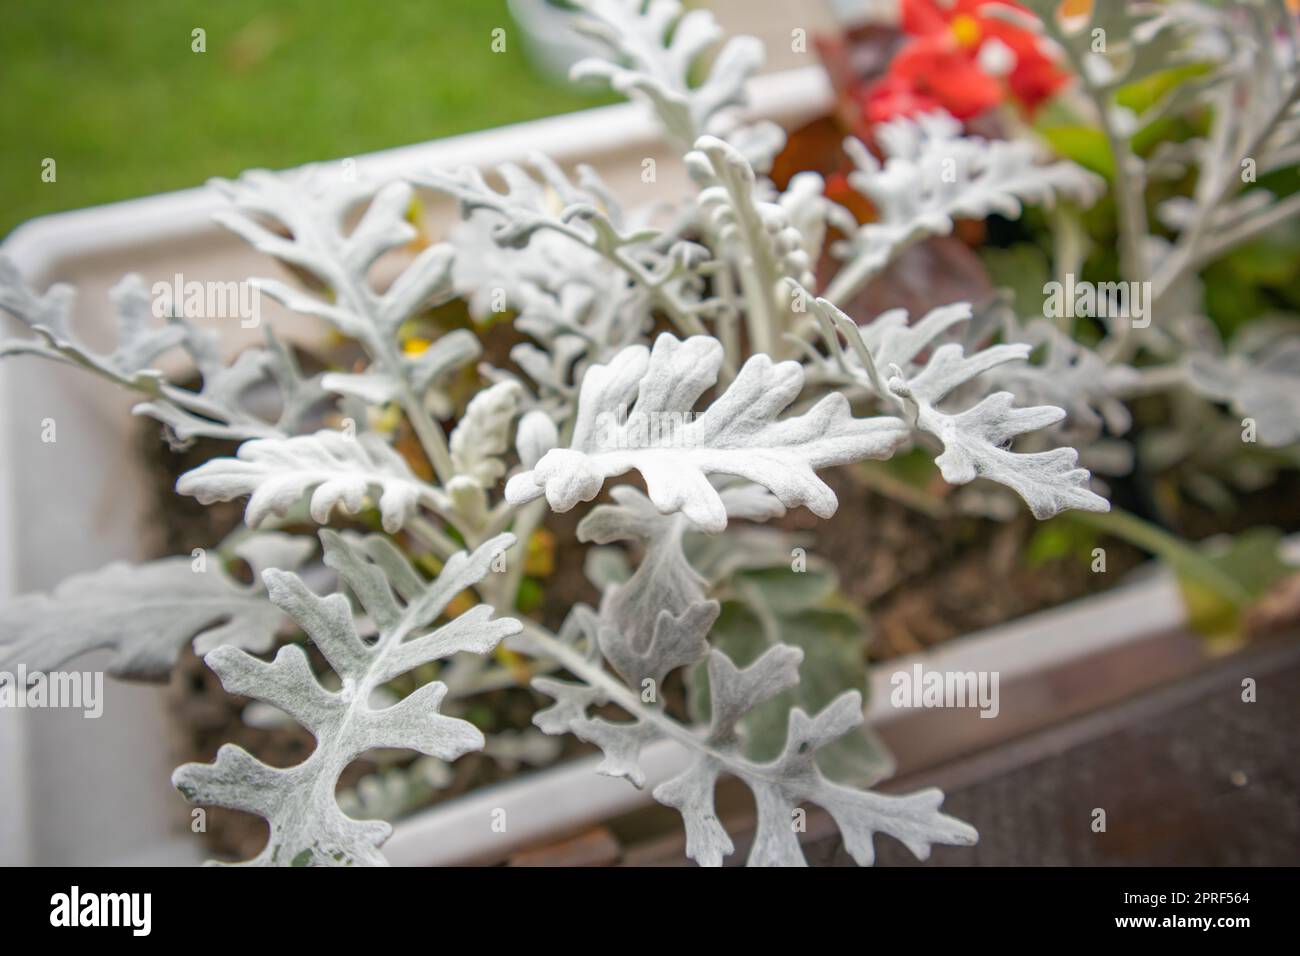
x=1036, y=76
x=923, y=17
x=949, y=75
x=894, y=96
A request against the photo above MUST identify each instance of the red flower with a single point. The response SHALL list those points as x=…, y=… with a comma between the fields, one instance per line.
x=938, y=70
x=962, y=60
x=1035, y=77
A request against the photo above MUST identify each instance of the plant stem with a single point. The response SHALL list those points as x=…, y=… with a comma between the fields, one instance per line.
x=875, y=476
x=529, y=517
x=539, y=639
x=1130, y=192
x=432, y=537
x=1183, y=557
x=683, y=320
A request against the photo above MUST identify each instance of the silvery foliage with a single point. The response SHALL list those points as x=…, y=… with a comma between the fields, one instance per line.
x=766, y=243
x=1249, y=84
x=884, y=357
x=219, y=409
x=658, y=619
x=652, y=48
x=314, y=211
x=1067, y=374
x=588, y=404
x=307, y=826
x=144, y=615
x=642, y=652
x=676, y=452
x=931, y=175
x=337, y=470
x=1257, y=376
x=582, y=276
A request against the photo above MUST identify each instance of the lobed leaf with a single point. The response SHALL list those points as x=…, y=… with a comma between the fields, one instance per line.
x=338, y=470
x=307, y=825
x=931, y=176
x=145, y=614
x=675, y=451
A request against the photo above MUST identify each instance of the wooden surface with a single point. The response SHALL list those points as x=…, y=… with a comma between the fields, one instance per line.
x=1188, y=774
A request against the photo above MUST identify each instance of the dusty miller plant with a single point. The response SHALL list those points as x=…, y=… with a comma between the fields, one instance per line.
x=761, y=382
x=1244, y=79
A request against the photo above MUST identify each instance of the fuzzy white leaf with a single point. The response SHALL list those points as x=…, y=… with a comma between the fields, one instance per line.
x=1259, y=379
x=975, y=440
x=373, y=388
x=535, y=436
x=308, y=828
x=316, y=213
x=779, y=787
x=658, y=619
x=756, y=236
x=793, y=778
x=217, y=410
x=140, y=339
x=675, y=451
x=277, y=473
x=483, y=434
x=933, y=175
x=582, y=211
x=582, y=274
x=883, y=356
x=145, y=614
x=425, y=371
x=652, y=49
x=1070, y=376
x=809, y=212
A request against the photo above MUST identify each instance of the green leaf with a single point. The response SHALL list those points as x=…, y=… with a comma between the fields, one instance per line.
x=1056, y=539
x=1085, y=145
x=1145, y=93
x=1022, y=268
x=1253, y=560
x=833, y=643
x=788, y=592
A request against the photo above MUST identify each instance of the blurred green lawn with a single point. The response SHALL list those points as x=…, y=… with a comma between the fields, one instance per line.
x=112, y=91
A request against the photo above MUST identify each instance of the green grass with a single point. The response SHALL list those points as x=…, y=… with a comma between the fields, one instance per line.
x=112, y=91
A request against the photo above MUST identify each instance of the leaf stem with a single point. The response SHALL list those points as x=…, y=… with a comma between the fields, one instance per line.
x=383, y=351
x=538, y=638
